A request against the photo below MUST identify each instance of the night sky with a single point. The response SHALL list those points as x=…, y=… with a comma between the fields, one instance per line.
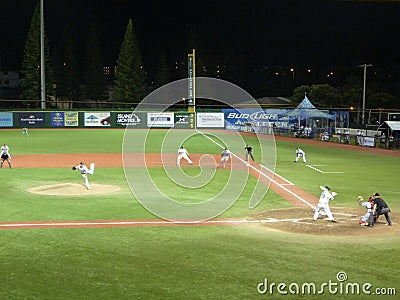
x=263, y=32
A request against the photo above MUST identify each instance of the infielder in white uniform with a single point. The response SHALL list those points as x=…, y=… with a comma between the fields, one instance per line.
x=84, y=172
x=25, y=132
x=182, y=153
x=300, y=153
x=5, y=156
x=225, y=157
x=323, y=204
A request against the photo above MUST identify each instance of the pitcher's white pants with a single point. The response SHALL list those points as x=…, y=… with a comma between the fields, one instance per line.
x=84, y=175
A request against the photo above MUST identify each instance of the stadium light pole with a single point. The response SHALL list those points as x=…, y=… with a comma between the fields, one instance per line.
x=365, y=66
x=42, y=64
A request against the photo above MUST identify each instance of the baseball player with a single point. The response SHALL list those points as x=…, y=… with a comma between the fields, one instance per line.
x=182, y=153
x=5, y=156
x=249, y=152
x=323, y=204
x=84, y=172
x=300, y=153
x=225, y=155
x=25, y=132
x=368, y=218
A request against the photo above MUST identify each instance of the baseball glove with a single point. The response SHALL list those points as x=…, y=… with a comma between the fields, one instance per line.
x=73, y=168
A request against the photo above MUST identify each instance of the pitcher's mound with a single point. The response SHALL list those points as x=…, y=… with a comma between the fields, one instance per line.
x=74, y=189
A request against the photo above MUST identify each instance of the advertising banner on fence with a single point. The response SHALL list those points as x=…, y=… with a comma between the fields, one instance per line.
x=31, y=119
x=369, y=141
x=132, y=119
x=97, y=119
x=184, y=120
x=71, y=119
x=6, y=119
x=57, y=119
x=210, y=120
x=238, y=120
x=164, y=119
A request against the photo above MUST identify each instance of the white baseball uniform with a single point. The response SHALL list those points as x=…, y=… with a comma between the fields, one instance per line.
x=300, y=153
x=84, y=172
x=323, y=204
x=4, y=149
x=182, y=153
x=5, y=156
x=25, y=131
x=224, y=157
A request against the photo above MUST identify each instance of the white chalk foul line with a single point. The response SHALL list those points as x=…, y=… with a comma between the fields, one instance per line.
x=320, y=171
x=282, y=186
x=265, y=175
x=133, y=223
x=122, y=223
x=279, y=176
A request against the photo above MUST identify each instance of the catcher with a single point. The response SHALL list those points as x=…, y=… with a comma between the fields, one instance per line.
x=368, y=218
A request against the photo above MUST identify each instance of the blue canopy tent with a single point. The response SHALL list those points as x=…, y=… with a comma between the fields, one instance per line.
x=306, y=110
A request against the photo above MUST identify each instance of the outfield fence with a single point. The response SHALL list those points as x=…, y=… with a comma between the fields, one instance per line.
x=259, y=122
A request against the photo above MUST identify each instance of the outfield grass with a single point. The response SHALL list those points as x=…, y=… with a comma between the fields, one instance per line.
x=182, y=262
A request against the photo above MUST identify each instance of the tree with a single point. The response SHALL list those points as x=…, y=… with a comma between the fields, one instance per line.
x=352, y=97
x=382, y=100
x=130, y=83
x=67, y=70
x=193, y=42
x=299, y=93
x=31, y=65
x=321, y=95
x=324, y=95
x=163, y=72
x=94, y=81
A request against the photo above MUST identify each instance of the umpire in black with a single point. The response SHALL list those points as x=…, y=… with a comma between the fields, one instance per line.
x=381, y=208
x=249, y=152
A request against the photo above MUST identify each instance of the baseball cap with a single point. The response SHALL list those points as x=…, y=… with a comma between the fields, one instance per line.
x=328, y=188
x=376, y=194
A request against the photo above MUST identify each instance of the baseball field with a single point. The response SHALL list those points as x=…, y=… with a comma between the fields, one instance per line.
x=61, y=241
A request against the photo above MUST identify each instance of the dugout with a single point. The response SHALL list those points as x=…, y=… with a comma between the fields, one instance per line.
x=391, y=130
